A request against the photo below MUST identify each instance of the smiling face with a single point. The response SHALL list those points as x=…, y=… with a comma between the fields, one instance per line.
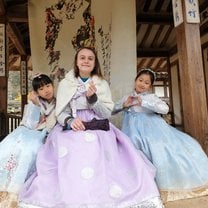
x=143, y=83
x=85, y=62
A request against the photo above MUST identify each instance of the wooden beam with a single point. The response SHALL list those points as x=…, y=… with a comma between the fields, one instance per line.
x=14, y=35
x=2, y=8
x=152, y=52
x=203, y=6
x=17, y=17
x=173, y=50
x=162, y=18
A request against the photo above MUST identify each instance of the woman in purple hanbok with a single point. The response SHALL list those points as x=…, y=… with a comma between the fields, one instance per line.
x=86, y=162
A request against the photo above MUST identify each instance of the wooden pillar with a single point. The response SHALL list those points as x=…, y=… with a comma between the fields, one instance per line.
x=170, y=92
x=193, y=93
x=24, y=81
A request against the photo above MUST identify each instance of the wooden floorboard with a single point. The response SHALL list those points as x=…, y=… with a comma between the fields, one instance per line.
x=201, y=202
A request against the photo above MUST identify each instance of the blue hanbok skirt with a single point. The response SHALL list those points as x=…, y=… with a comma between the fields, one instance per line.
x=182, y=165
x=17, y=160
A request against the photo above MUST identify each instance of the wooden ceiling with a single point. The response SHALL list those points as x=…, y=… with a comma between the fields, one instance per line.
x=155, y=31
x=14, y=14
x=156, y=38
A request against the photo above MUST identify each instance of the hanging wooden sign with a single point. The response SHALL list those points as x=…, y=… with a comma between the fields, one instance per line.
x=23, y=78
x=2, y=50
x=177, y=12
x=192, y=11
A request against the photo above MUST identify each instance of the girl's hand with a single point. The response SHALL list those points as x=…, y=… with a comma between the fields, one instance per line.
x=128, y=102
x=132, y=100
x=77, y=125
x=33, y=96
x=138, y=100
x=42, y=119
x=91, y=90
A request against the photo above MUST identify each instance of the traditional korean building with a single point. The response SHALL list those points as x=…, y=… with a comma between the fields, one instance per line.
x=168, y=36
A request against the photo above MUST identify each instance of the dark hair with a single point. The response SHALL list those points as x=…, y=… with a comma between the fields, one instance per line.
x=95, y=71
x=41, y=80
x=149, y=72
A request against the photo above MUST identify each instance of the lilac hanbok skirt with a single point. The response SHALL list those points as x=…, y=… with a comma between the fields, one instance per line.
x=90, y=169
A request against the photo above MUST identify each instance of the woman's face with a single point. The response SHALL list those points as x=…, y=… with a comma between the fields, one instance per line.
x=85, y=62
x=143, y=83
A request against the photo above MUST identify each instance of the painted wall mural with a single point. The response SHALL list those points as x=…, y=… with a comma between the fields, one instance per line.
x=57, y=16
x=106, y=51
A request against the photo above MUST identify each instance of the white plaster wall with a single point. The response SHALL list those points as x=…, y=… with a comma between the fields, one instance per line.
x=123, y=59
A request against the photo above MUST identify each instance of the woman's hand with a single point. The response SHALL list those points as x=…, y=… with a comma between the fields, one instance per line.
x=91, y=90
x=33, y=96
x=77, y=125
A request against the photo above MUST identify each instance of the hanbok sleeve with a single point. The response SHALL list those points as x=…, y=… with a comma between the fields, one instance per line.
x=100, y=109
x=102, y=103
x=31, y=116
x=65, y=116
x=154, y=103
x=118, y=107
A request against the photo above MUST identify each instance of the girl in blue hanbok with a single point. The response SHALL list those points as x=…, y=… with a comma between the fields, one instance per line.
x=182, y=166
x=19, y=149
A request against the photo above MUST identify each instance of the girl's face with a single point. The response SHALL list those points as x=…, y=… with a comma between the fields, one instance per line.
x=85, y=62
x=143, y=83
x=46, y=92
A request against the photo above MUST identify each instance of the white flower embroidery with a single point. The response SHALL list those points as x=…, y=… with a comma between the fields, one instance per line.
x=115, y=191
x=89, y=137
x=62, y=151
x=87, y=173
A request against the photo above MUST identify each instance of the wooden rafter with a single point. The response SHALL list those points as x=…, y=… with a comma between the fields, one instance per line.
x=15, y=37
x=159, y=5
x=2, y=8
x=159, y=31
x=17, y=17
x=167, y=34
x=147, y=5
x=141, y=63
x=203, y=6
x=150, y=62
x=147, y=33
